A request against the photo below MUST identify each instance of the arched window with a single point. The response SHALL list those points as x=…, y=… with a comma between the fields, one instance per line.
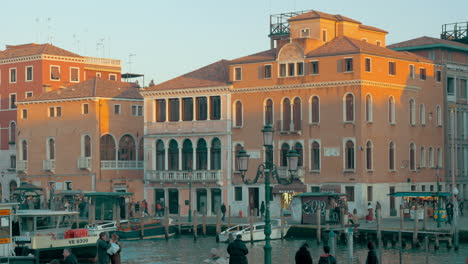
x=369, y=155
x=348, y=108
x=297, y=114
x=412, y=156
x=284, y=152
x=438, y=116
x=236, y=151
x=87, y=146
x=391, y=110
x=349, y=150
x=187, y=154
x=315, y=154
x=202, y=155
x=215, y=154
x=439, y=158
x=269, y=112
x=422, y=114
x=12, y=136
x=299, y=150
x=412, y=112
x=368, y=108
x=423, y=157
x=50, y=149
x=391, y=156
x=24, y=150
x=173, y=155
x=141, y=150
x=239, y=119
x=315, y=110
x=160, y=155
x=431, y=157
x=127, y=148
x=286, y=114
x=107, y=147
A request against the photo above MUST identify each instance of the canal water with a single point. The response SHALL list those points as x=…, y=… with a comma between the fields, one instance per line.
x=184, y=250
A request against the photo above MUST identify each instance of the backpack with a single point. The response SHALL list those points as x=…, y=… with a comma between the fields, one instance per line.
x=327, y=259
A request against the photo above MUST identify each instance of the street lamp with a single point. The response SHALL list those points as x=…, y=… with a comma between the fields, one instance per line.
x=267, y=170
x=190, y=175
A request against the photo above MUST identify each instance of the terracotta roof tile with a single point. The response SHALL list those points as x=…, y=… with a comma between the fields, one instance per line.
x=372, y=28
x=423, y=41
x=95, y=87
x=34, y=49
x=317, y=14
x=215, y=74
x=267, y=55
x=346, y=45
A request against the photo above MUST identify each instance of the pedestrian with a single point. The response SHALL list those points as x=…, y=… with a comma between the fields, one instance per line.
x=145, y=207
x=159, y=209
x=461, y=206
x=68, y=257
x=262, y=208
x=115, y=258
x=303, y=255
x=102, y=246
x=215, y=258
x=371, y=255
x=230, y=238
x=370, y=213
x=223, y=212
x=137, y=207
x=238, y=251
x=327, y=258
x=449, y=208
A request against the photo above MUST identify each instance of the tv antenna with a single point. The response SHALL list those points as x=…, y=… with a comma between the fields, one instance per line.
x=130, y=62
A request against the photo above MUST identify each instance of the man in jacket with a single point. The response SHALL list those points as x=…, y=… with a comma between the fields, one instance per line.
x=303, y=255
x=237, y=251
x=371, y=255
x=102, y=246
x=68, y=257
x=327, y=258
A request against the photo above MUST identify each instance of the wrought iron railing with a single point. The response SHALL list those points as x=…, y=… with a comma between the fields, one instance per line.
x=183, y=176
x=121, y=165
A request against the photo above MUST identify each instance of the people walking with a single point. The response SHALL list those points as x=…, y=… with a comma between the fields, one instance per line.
x=102, y=246
x=223, y=211
x=68, y=257
x=238, y=251
x=371, y=255
x=370, y=213
x=115, y=258
x=303, y=255
x=327, y=258
x=262, y=208
x=215, y=258
x=449, y=208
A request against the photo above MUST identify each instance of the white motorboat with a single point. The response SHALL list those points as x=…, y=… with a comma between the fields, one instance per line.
x=258, y=231
x=103, y=226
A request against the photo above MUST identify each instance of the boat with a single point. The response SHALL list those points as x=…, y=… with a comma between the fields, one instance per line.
x=258, y=231
x=104, y=226
x=45, y=233
x=152, y=228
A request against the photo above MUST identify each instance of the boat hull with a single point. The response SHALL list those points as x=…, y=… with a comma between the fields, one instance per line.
x=149, y=232
x=258, y=235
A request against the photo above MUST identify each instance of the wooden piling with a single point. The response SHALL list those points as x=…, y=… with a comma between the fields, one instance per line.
x=282, y=222
x=127, y=211
x=166, y=223
x=436, y=243
x=229, y=217
x=426, y=249
x=416, y=227
x=400, y=237
x=342, y=221
x=251, y=226
x=142, y=226
x=195, y=225
x=379, y=227
x=118, y=215
x=218, y=224
x=327, y=219
x=102, y=211
x=204, y=223
x=425, y=217
x=179, y=221
x=319, y=227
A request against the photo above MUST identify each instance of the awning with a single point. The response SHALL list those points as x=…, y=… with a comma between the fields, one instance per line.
x=319, y=194
x=94, y=194
x=292, y=188
x=419, y=194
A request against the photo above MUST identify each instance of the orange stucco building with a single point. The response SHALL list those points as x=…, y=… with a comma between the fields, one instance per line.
x=86, y=137
x=365, y=119
x=32, y=69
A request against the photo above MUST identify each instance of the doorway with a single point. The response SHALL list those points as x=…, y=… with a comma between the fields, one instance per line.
x=158, y=198
x=202, y=201
x=215, y=200
x=253, y=200
x=173, y=201
x=393, y=211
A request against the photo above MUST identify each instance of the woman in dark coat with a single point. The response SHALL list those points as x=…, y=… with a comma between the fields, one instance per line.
x=237, y=251
x=115, y=258
x=303, y=255
x=372, y=255
x=102, y=246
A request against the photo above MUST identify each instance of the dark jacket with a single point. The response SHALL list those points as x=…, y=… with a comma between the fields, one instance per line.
x=237, y=252
x=71, y=259
x=115, y=259
x=303, y=256
x=102, y=247
x=372, y=257
x=327, y=259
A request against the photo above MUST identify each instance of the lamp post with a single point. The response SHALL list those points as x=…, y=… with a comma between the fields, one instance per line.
x=190, y=175
x=267, y=170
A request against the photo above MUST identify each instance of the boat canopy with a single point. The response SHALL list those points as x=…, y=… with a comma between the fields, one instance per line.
x=40, y=212
x=419, y=194
x=319, y=194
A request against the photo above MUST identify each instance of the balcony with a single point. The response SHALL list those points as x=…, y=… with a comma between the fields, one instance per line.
x=48, y=165
x=121, y=165
x=283, y=173
x=22, y=165
x=84, y=163
x=201, y=126
x=183, y=176
x=102, y=61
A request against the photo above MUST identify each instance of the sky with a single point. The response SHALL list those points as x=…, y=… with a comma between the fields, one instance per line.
x=165, y=39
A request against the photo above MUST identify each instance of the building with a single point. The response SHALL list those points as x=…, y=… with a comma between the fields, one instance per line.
x=366, y=120
x=31, y=69
x=451, y=53
x=87, y=136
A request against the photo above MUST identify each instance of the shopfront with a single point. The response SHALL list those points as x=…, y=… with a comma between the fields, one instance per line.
x=412, y=200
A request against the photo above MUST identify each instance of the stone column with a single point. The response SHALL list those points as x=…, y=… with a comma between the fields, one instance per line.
x=180, y=158
x=166, y=156
x=208, y=158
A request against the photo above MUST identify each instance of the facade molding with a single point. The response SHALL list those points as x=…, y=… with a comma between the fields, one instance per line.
x=77, y=99
x=186, y=91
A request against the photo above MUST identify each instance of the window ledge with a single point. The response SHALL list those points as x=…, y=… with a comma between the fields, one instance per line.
x=349, y=171
x=314, y=124
x=237, y=127
x=314, y=171
x=370, y=122
x=391, y=171
x=370, y=171
x=348, y=122
x=393, y=124
x=348, y=71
